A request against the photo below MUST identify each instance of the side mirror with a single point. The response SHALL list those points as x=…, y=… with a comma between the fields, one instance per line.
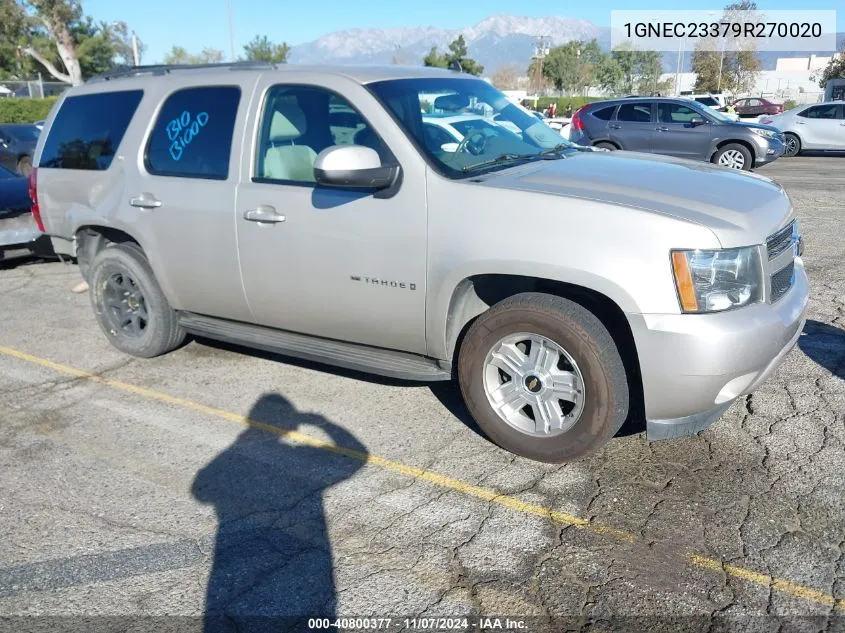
x=697, y=122
x=353, y=166
x=449, y=147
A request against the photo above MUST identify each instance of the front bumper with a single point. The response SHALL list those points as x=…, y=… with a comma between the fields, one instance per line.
x=767, y=150
x=694, y=366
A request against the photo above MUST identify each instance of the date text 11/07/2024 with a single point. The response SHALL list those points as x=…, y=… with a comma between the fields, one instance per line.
x=420, y=624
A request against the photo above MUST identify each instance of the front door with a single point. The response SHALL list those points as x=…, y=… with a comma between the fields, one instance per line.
x=633, y=127
x=677, y=136
x=822, y=127
x=330, y=262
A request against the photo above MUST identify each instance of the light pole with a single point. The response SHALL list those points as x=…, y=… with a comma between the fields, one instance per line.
x=231, y=30
x=135, y=56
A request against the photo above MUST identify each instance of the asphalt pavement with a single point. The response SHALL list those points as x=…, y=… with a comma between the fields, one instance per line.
x=220, y=481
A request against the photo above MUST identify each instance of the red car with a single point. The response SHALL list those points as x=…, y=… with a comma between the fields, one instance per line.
x=755, y=106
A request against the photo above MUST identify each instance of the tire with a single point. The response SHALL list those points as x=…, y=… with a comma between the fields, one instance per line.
x=121, y=268
x=605, y=145
x=25, y=166
x=792, y=145
x=730, y=154
x=584, y=338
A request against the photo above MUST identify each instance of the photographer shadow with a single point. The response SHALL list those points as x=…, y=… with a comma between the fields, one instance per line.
x=272, y=565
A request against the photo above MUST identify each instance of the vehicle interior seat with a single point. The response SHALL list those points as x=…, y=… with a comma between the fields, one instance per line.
x=288, y=157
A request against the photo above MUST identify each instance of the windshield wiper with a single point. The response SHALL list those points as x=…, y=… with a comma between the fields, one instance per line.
x=507, y=158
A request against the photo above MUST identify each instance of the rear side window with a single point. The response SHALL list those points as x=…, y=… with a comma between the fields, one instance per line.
x=192, y=136
x=88, y=130
x=634, y=112
x=821, y=112
x=605, y=113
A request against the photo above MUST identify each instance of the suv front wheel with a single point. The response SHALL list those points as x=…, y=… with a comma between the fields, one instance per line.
x=734, y=156
x=543, y=378
x=129, y=305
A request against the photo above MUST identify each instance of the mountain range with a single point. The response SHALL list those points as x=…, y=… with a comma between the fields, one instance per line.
x=495, y=42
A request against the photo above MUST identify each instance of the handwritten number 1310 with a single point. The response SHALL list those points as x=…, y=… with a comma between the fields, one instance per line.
x=182, y=131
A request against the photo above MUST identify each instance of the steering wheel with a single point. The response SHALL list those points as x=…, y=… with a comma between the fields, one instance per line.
x=474, y=143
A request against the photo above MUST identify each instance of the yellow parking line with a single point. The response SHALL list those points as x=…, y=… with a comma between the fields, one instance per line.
x=487, y=494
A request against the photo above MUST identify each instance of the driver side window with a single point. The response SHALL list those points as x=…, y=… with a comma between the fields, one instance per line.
x=299, y=122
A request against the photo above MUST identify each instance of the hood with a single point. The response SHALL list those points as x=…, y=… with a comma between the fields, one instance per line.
x=739, y=207
x=760, y=126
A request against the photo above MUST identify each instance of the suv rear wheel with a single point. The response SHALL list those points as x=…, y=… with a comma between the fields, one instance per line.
x=129, y=305
x=543, y=378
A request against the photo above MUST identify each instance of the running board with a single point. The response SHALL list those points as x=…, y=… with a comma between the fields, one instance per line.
x=363, y=358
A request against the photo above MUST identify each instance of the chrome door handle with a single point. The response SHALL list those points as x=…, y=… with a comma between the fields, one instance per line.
x=145, y=201
x=801, y=123
x=662, y=129
x=615, y=126
x=264, y=213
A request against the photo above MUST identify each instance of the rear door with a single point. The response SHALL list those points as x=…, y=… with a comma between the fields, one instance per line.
x=180, y=198
x=677, y=136
x=633, y=128
x=821, y=127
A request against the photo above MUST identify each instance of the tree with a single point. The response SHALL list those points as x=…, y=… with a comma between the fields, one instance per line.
x=30, y=21
x=506, y=77
x=632, y=71
x=718, y=68
x=261, y=49
x=572, y=67
x=835, y=68
x=56, y=36
x=435, y=59
x=179, y=55
x=457, y=54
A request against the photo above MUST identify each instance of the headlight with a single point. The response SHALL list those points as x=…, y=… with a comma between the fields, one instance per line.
x=764, y=133
x=716, y=280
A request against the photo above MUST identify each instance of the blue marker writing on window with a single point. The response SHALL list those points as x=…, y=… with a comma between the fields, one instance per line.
x=181, y=131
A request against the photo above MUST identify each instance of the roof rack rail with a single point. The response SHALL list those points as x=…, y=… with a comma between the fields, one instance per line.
x=163, y=69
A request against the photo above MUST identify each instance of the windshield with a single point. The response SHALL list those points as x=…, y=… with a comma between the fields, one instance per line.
x=490, y=130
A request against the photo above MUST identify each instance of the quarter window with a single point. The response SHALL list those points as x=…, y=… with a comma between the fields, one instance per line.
x=88, y=129
x=192, y=136
x=297, y=124
x=605, y=114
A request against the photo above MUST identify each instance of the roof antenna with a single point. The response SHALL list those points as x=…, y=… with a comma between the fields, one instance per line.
x=456, y=66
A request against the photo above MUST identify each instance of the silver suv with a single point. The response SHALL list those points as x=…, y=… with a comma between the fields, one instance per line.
x=310, y=211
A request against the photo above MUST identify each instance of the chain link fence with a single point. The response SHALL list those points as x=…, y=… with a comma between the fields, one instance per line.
x=31, y=89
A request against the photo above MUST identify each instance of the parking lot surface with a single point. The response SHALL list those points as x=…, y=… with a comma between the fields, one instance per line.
x=219, y=480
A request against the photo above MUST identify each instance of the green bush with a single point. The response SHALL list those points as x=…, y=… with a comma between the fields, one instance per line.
x=789, y=104
x=17, y=110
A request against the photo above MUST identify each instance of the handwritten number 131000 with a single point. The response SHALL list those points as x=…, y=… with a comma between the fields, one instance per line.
x=182, y=131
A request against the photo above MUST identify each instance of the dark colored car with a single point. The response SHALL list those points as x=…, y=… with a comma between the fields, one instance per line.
x=756, y=106
x=675, y=127
x=19, y=232
x=17, y=145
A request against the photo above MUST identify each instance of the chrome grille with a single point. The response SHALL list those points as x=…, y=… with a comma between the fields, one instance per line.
x=780, y=241
x=782, y=281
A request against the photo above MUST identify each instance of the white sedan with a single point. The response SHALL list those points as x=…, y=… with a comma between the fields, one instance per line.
x=812, y=126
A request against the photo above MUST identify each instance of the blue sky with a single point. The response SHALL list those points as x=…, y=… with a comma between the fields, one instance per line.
x=195, y=24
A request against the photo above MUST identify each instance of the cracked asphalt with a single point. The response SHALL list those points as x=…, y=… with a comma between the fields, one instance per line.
x=208, y=482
